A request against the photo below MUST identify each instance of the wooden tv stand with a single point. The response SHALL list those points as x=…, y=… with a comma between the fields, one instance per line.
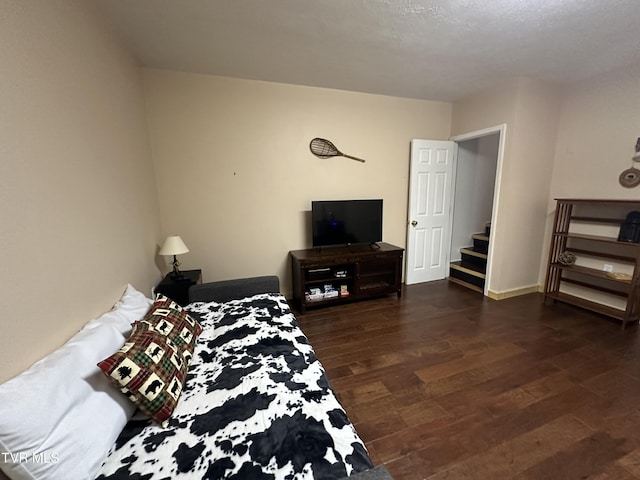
x=354, y=272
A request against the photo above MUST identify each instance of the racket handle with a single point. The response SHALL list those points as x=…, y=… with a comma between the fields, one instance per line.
x=353, y=158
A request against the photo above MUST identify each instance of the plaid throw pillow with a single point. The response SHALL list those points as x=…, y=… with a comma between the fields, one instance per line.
x=171, y=320
x=151, y=367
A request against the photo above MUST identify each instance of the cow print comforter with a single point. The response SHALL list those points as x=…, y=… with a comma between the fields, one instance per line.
x=256, y=405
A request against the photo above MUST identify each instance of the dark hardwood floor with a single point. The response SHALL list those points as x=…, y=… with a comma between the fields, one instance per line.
x=446, y=384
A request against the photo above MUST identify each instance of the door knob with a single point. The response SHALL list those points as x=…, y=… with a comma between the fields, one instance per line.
x=413, y=223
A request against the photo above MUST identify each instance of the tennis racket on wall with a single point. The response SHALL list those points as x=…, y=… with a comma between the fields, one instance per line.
x=325, y=149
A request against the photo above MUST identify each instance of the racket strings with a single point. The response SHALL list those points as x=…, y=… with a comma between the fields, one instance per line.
x=323, y=148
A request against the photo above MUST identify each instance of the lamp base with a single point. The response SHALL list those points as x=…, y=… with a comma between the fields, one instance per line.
x=176, y=274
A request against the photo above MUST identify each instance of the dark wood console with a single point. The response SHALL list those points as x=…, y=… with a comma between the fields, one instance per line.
x=330, y=275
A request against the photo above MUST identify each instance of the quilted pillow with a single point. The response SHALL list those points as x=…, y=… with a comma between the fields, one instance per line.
x=150, y=371
x=170, y=319
x=151, y=367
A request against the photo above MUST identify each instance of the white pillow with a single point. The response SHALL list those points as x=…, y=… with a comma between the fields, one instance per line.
x=59, y=418
x=130, y=307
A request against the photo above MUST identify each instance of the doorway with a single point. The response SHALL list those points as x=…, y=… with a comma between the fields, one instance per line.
x=473, y=199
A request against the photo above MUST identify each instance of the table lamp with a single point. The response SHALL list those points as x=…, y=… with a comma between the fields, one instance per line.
x=173, y=245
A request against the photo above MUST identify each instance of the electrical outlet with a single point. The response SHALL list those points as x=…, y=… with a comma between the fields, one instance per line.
x=607, y=267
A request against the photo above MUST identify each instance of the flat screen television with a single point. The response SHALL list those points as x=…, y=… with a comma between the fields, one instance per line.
x=346, y=222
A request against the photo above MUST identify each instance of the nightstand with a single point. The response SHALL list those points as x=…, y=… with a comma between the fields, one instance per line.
x=178, y=289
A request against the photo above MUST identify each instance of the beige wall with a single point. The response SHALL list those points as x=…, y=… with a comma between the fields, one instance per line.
x=77, y=199
x=235, y=176
x=530, y=111
x=597, y=132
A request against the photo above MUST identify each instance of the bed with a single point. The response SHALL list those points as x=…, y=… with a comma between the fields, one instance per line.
x=256, y=403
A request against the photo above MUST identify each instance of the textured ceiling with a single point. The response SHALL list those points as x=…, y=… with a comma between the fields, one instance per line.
x=438, y=49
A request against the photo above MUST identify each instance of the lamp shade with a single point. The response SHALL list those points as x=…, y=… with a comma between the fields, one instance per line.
x=173, y=245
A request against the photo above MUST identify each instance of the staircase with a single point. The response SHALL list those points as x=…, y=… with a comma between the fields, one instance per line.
x=470, y=272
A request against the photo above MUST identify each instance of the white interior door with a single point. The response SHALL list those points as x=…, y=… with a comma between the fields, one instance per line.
x=430, y=201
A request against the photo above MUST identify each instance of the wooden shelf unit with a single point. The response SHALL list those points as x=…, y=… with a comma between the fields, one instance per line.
x=572, y=218
x=365, y=270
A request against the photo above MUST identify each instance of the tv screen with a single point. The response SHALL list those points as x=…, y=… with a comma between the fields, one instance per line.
x=346, y=222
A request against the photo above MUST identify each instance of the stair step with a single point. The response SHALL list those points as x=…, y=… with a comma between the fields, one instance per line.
x=480, y=242
x=466, y=274
x=487, y=228
x=480, y=236
x=468, y=285
x=472, y=263
x=473, y=259
x=473, y=270
x=470, y=251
